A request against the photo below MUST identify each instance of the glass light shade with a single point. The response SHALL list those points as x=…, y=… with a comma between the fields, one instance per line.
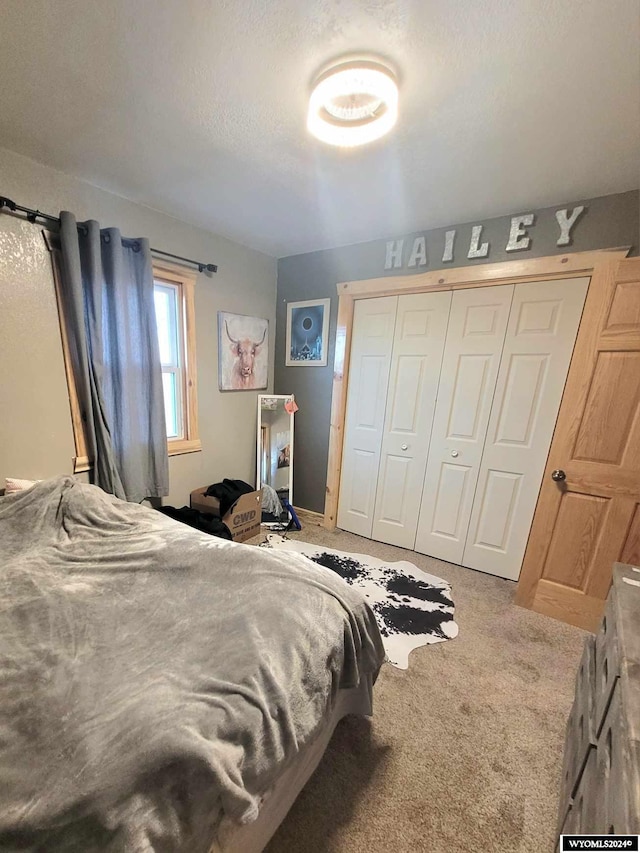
x=353, y=104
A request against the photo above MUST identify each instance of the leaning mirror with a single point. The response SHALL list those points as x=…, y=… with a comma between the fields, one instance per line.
x=275, y=444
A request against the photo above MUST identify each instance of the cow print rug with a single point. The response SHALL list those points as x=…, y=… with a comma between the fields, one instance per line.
x=412, y=607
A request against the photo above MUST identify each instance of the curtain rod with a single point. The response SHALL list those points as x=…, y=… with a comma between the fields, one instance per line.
x=33, y=215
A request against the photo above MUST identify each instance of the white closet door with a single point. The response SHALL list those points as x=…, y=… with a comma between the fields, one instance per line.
x=421, y=328
x=542, y=330
x=371, y=346
x=475, y=337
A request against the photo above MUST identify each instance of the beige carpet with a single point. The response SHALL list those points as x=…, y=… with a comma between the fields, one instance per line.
x=464, y=750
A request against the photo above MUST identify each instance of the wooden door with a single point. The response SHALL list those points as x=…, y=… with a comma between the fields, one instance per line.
x=475, y=337
x=372, y=342
x=589, y=519
x=541, y=333
x=421, y=328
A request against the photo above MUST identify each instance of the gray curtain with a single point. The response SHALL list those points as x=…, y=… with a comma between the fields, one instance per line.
x=107, y=288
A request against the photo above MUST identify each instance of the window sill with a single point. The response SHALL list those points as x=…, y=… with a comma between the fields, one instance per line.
x=184, y=445
x=82, y=464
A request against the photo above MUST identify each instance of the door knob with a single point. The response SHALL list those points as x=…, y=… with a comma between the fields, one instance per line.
x=558, y=475
x=454, y=453
x=405, y=446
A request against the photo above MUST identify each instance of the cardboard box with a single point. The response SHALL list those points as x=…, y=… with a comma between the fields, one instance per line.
x=204, y=503
x=244, y=517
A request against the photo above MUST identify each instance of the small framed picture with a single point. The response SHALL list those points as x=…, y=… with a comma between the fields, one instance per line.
x=243, y=352
x=308, y=333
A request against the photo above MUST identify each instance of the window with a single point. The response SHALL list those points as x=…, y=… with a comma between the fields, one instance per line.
x=167, y=302
x=175, y=319
x=174, y=289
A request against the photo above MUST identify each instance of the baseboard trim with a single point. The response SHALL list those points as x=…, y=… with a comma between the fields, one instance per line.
x=309, y=511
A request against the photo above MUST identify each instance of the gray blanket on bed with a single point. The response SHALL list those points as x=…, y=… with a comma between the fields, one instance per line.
x=152, y=677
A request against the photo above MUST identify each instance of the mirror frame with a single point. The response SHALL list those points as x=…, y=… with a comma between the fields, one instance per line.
x=284, y=398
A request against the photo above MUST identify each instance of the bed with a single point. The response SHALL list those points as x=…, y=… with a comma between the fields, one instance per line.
x=162, y=690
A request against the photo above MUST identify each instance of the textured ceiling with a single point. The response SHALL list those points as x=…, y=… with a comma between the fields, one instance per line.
x=197, y=107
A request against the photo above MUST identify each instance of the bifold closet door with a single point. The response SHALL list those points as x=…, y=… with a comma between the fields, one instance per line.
x=418, y=345
x=475, y=337
x=370, y=360
x=540, y=337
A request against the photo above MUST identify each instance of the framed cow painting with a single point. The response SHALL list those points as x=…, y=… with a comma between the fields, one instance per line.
x=307, y=333
x=243, y=352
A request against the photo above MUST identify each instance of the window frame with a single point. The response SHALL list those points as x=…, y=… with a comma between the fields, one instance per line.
x=174, y=369
x=185, y=280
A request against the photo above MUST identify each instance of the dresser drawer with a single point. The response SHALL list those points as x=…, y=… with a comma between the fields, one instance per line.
x=580, y=733
x=581, y=816
x=614, y=771
x=607, y=660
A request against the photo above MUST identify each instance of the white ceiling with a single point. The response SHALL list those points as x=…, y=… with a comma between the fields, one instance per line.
x=198, y=108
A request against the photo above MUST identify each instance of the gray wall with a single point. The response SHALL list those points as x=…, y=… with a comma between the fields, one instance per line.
x=607, y=222
x=36, y=439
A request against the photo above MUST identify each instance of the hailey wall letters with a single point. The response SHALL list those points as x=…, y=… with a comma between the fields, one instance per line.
x=518, y=240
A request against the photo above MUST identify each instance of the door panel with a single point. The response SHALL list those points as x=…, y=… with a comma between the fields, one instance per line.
x=373, y=329
x=394, y=473
x=590, y=519
x=370, y=383
x=405, y=406
x=497, y=504
x=519, y=407
x=451, y=495
x=421, y=328
x=475, y=338
x=468, y=393
x=605, y=431
x=572, y=547
x=623, y=317
x=363, y=480
x=543, y=323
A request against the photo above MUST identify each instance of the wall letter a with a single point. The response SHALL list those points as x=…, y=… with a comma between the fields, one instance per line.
x=418, y=255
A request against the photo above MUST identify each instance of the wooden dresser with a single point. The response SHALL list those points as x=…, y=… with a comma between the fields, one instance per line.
x=600, y=790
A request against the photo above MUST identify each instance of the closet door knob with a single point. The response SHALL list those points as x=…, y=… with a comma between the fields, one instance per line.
x=558, y=476
x=405, y=446
x=454, y=453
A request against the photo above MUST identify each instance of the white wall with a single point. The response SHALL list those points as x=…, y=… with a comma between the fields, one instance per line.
x=36, y=439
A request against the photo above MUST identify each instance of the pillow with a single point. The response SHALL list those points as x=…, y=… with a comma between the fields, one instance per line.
x=12, y=484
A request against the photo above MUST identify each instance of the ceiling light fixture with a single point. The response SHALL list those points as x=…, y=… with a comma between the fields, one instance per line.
x=353, y=103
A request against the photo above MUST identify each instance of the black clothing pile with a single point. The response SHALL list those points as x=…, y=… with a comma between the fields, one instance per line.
x=228, y=492
x=212, y=524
